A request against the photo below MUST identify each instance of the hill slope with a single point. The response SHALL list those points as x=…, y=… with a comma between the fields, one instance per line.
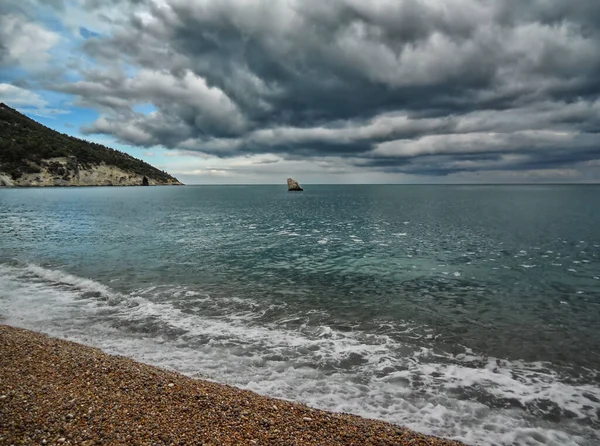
x=34, y=155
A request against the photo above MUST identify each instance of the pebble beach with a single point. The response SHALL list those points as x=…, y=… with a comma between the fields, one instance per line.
x=59, y=392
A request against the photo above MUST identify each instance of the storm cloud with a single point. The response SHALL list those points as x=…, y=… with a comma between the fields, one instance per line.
x=428, y=88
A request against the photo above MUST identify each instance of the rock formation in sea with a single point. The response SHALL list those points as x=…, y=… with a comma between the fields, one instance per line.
x=34, y=155
x=293, y=185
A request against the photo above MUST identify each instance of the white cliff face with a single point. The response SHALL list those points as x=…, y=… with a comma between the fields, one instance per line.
x=66, y=172
x=6, y=180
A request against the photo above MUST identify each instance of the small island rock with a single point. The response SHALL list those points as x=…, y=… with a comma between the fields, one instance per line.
x=293, y=185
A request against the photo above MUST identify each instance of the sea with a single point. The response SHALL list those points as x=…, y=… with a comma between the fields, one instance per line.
x=470, y=311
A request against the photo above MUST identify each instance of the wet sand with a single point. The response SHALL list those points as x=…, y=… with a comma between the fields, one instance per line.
x=60, y=392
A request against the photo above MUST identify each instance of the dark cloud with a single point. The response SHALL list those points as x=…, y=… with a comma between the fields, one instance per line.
x=430, y=87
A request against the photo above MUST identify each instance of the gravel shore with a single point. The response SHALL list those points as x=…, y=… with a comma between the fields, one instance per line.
x=59, y=392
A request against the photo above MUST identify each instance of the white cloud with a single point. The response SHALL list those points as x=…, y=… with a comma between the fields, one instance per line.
x=519, y=176
x=26, y=43
x=27, y=100
x=205, y=107
x=19, y=97
x=476, y=142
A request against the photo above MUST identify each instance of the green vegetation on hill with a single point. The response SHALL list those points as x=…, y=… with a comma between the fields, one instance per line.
x=24, y=143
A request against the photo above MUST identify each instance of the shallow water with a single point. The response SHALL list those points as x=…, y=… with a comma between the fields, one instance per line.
x=471, y=312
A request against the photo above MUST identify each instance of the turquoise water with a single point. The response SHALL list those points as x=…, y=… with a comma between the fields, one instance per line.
x=471, y=312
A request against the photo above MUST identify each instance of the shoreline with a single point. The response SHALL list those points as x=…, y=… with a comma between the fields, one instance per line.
x=60, y=392
x=79, y=186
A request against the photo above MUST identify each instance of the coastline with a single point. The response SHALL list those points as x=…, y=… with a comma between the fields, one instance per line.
x=59, y=392
x=83, y=186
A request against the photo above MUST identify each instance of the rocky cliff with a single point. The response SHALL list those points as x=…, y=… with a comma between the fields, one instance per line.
x=293, y=185
x=67, y=172
x=34, y=155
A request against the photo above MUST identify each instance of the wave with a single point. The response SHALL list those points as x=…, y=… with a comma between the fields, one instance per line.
x=298, y=355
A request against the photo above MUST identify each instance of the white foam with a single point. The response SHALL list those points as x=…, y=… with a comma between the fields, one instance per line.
x=367, y=374
x=58, y=276
x=288, y=233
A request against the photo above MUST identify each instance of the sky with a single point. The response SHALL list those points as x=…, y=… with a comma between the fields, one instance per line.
x=325, y=91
